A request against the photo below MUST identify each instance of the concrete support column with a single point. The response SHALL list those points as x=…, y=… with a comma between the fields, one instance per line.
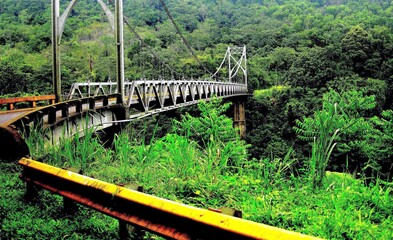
x=239, y=119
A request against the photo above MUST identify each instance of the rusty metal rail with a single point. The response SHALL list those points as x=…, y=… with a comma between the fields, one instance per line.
x=163, y=217
x=30, y=99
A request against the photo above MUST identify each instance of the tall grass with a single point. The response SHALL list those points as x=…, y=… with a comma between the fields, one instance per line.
x=36, y=138
x=215, y=172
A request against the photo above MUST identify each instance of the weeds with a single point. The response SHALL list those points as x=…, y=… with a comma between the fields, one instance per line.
x=209, y=172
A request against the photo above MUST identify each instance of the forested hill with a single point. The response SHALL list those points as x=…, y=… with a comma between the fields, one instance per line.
x=304, y=47
x=301, y=43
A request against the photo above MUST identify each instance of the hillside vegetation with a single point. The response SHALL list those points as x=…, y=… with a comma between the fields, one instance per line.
x=207, y=170
x=307, y=46
x=317, y=157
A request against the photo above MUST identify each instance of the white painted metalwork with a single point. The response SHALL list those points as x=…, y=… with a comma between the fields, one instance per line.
x=234, y=64
x=149, y=95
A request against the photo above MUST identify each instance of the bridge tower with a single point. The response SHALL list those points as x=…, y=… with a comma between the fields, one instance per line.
x=58, y=23
x=237, y=60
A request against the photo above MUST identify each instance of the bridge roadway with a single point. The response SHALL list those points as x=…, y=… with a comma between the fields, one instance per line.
x=6, y=116
x=12, y=113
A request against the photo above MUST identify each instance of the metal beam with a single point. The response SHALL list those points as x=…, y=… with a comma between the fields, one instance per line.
x=160, y=216
x=119, y=49
x=56, y=74
x=58, y=23
x=63, y=18
x=108, y=13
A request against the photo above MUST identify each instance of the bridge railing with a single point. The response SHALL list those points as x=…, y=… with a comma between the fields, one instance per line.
x=50, y=114
x=58, y=121
x=32, y=100
x=160, y=216
x=87, y=89
x=160, y=93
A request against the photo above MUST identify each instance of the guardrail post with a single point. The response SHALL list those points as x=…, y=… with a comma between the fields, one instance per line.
x=33, y=104
x=69, y=206
x=128, y=231
x=31, y=191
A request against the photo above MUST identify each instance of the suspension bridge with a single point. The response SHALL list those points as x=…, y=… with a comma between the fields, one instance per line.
x=100, y=105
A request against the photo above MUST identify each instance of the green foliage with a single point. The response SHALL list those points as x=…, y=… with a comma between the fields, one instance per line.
x=342, y=122
x=80, y=151
x=376, y=146
x=268, y=191
x=268, y=92
x=323, y=129
x=43, y=217
x=310, y=46
x=214, y=132
x=211, y=126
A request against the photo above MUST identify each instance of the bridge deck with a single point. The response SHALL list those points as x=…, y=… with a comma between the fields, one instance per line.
x=8, y=115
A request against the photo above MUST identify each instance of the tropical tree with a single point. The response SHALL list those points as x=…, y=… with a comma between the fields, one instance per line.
x=340, y=115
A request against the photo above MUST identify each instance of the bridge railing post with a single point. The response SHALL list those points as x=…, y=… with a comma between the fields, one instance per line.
x=105, y=101
x=52, y=115
x=65, y=110
x=10, y=106
x=78, y=106
x=92, y=103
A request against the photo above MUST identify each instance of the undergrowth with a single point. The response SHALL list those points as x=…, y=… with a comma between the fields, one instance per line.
x=208, y=170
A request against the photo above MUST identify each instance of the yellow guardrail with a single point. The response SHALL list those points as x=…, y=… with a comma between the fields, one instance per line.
x=160, y=216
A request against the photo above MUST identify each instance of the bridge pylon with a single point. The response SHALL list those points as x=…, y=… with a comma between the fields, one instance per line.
x=239, y=116
x=238, y=63
x=58, y=23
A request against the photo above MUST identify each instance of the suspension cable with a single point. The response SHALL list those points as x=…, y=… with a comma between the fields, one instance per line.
x=182, y=37
x=143, y=43
x=222, y=63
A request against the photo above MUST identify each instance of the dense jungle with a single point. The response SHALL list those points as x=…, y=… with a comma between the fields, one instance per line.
x=317, y=156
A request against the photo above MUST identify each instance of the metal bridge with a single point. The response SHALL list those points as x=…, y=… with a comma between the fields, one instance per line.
x=100, y=105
